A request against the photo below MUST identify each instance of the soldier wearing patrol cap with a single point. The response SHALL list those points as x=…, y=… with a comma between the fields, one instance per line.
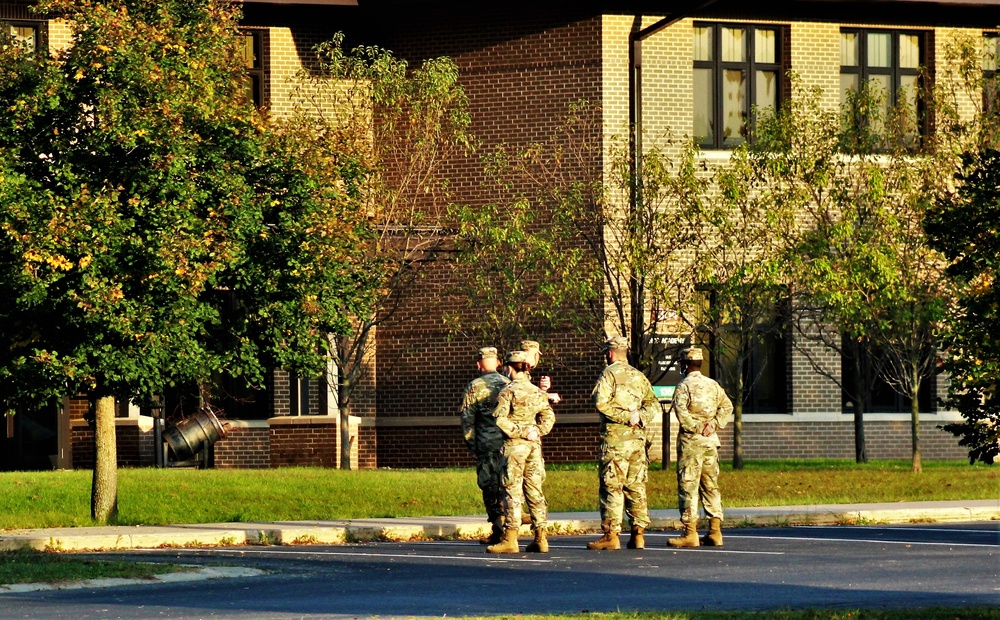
x=627, y=406
x=524, y=416
x=484, y=439
x=534, y=352
x=702, y=408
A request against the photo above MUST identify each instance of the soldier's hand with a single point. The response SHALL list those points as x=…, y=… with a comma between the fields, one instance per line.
x=554, y=398
x=532, y=434
x=544, y=383
x=708, y=430
x=635, y=419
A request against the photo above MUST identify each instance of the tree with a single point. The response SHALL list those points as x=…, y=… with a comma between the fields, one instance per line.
x=749, y=232
x=401, y=125
x=636, y=224
x=962, y=225
x=136, y=180
x=515, y=275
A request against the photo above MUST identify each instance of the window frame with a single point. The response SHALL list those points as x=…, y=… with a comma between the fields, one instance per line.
x=41, y=42
x=258, y=73
x=991, y=88
x=751, y=67
x=894, y=71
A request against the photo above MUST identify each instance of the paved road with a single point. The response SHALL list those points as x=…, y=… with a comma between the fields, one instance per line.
x=884, y=566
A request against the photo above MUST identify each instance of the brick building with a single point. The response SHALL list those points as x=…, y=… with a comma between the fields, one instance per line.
x=522, y=65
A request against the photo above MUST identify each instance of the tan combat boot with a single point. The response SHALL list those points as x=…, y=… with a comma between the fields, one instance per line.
x=638, y=539
x=496, y=535
x=714, y=536
x=540, y=544
x=690, y=537
x=507, y=545
x=609, y=541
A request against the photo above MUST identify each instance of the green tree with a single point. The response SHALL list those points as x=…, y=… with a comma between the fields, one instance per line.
x=636, y=220
x=401, y=125
x=139, y=188
x=749, y=232
x=963, y=226
x=514, y=275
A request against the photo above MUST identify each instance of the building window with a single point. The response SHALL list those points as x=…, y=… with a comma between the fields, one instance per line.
x=253, y=51
x=737, y=69
x=880, y=80
x=764, y=372
x=991, y=93
x=881, y=397
x=29, y=34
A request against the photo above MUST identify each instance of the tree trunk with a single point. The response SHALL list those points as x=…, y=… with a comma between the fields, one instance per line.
x=918, y=465
x=858, y=400
x=738, y=418
x=343, y=406
x=104, y=491
x=860, y=449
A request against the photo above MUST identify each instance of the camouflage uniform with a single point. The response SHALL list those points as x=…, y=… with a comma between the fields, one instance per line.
x=520, y=407
x=698, y=400
x=623, y=462
x=484, y=438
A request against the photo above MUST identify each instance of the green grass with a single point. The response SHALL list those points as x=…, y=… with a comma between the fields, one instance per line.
x=157, y=497
x=933, y=613
x=35, y=567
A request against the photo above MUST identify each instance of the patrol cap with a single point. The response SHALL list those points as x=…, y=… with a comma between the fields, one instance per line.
x=516, y=356
x=529, y=345
x=486, y=353
x=692, y=354
x=618, y=343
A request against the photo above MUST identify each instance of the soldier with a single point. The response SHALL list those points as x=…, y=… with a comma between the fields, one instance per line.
x=534, y=357
x=627, y=407
x=484, y=438
x=524, y=415
x=702, y=408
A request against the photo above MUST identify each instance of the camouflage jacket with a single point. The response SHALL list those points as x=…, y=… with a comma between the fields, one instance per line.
x=479, y=427
x=621, y=390
x=697, y=401
x=522, y=406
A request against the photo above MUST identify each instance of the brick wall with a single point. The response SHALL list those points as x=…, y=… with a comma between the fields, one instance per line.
x=304, y=443
x=520, y=76
x=244, y=447
x=835, y=440
x=135, y=446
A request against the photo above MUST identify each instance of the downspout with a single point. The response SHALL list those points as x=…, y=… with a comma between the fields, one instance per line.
x=635, y=39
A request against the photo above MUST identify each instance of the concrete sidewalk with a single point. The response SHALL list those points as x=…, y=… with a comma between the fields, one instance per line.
x=428, y=528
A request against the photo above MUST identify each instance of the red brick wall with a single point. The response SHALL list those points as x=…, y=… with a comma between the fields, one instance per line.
x=135, y=447
x=305, y=445
x=835, y=440
x=247, y=448
x=520, y=79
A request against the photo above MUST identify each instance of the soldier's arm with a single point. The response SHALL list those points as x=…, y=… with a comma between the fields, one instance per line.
x=724, y=412
x=546, y=419
x=468, y=415
x=650, y=406
x=604, y=400
x=501, y=415
x=682, y=395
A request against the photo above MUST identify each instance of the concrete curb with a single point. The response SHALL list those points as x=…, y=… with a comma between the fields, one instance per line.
x=468, y=527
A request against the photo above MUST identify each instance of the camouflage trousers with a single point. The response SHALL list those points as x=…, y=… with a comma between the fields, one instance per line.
x=697, y=478
x=489, y=473
x=524, y=473
x=623, y=470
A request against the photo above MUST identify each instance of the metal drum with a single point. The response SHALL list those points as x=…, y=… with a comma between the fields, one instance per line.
x=190, y=435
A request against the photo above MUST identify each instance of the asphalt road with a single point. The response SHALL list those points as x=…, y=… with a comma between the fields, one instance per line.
x=766, y=568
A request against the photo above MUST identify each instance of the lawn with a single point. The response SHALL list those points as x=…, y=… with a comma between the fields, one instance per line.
x=157, y=497
x=935, y=613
